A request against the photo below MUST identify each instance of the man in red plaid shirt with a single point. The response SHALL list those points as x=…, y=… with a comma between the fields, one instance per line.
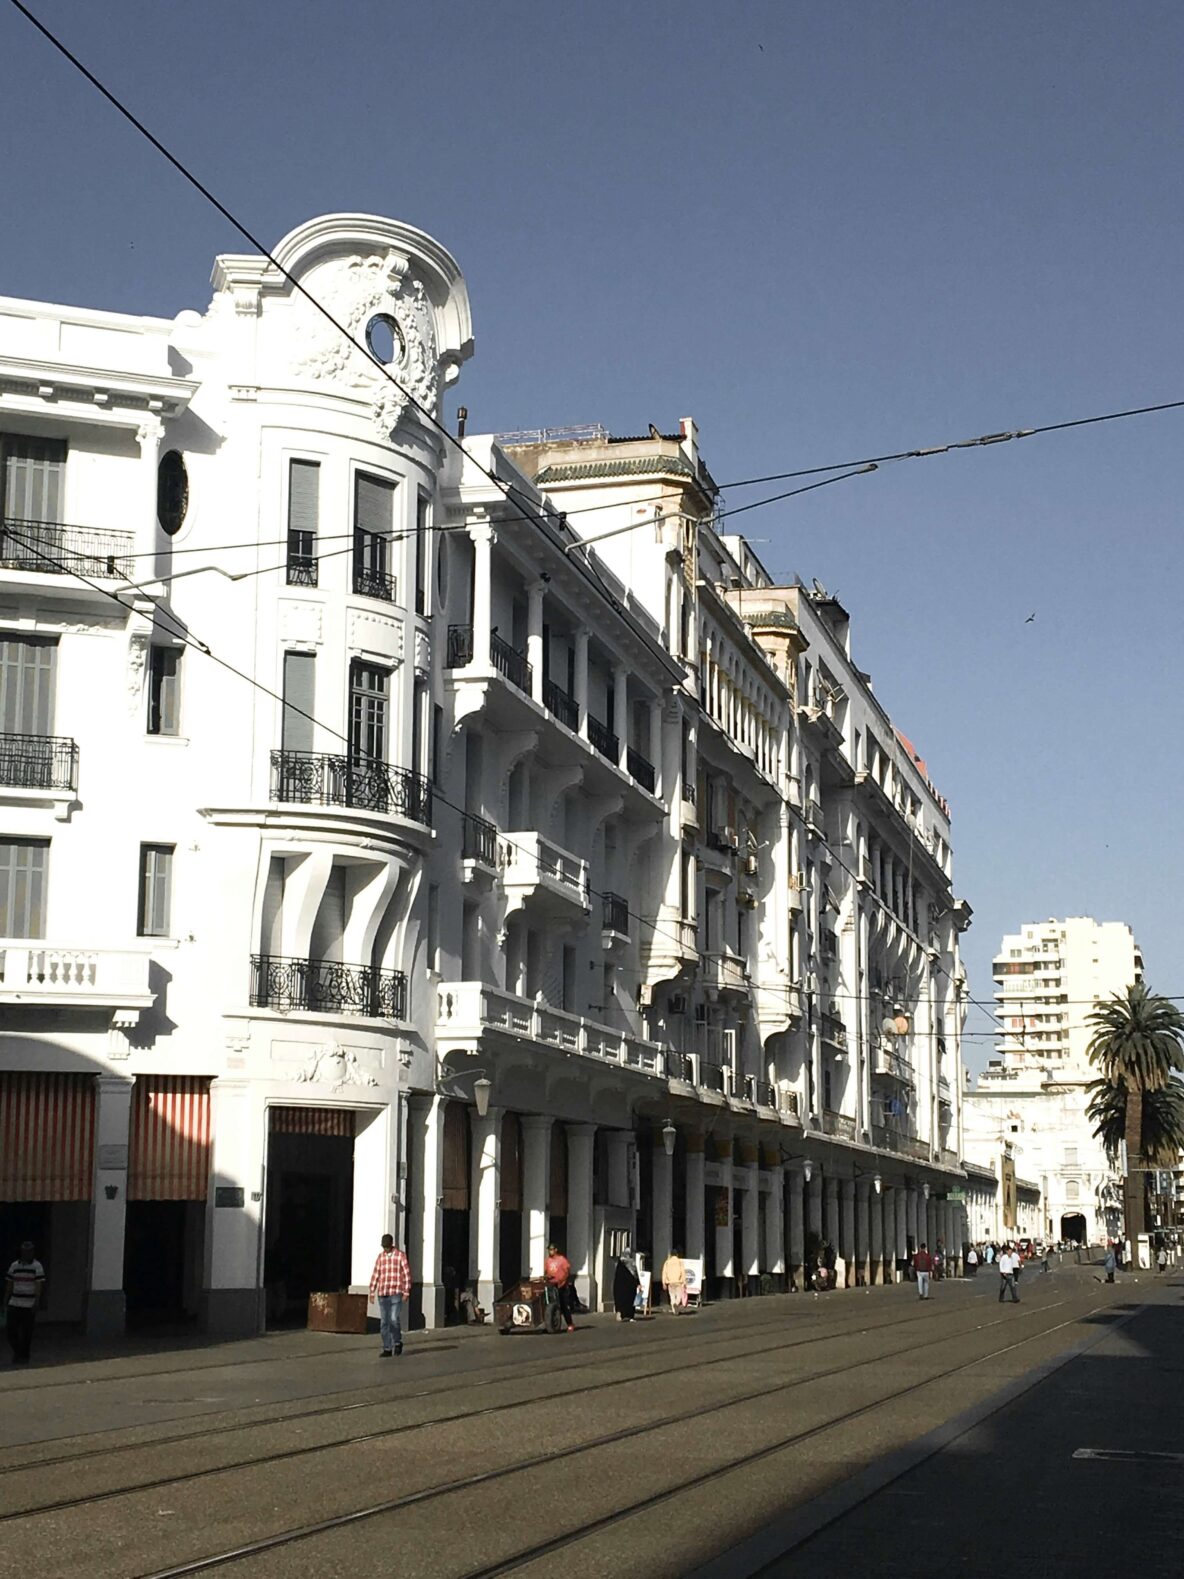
x=390, y=1285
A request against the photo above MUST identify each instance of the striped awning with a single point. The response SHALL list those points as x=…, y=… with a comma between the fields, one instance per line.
x=169, y=1158
x=47, y=1135
x=312, y=1121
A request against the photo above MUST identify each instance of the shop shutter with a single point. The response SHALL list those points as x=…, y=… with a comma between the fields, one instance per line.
x=170, y=1139
x=47, y=1128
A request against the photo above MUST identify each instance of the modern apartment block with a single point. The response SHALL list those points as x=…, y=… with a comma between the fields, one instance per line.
x=1031, y=1098
x=472, y=845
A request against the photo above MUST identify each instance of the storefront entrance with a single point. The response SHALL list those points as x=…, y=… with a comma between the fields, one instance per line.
x=309, y=1211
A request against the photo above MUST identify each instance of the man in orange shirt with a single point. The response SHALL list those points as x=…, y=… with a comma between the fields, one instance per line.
x=557, y=1271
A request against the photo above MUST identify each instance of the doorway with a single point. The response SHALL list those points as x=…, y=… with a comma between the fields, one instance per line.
x=309, y=1221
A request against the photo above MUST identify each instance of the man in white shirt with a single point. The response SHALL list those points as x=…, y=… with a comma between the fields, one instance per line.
x=23, y=1283
x=1008, y=1262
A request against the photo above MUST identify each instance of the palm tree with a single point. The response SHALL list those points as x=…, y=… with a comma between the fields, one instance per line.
x=1163, y=1121
x=1136, y=1045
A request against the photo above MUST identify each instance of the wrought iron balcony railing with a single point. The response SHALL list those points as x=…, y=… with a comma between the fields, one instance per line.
x=565, y=708
x=38, y=762
x=603, y=739
x=315, y=778
x=55, y=550
x=302, y=560
x=641, y=769
x=370, y=582
x=479, y=840
x=509, y=661
x=712, y=1077
x=327, y=986
x=616, y=914
x=460, y=646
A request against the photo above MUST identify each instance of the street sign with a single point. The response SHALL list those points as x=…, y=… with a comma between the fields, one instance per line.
x=955, y=1195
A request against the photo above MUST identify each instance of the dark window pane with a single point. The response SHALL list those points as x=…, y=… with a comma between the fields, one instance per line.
x=164, y=687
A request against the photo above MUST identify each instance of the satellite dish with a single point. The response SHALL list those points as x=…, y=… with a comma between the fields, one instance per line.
x=888, y=1025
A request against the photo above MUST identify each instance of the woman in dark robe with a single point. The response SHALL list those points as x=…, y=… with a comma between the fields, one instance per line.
x=625, y=1285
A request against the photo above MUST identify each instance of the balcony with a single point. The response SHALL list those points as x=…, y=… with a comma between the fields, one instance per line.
x=760, y=1092
x=641, y=770
x=602, y=737
x=48, y=549
x=52, y=975
x=313, y=778
x=714, y=1077
x=510, y=663
x=324, y=986
x=616, y=914
x=560, y=705
x=888, y=1138
x=888, y=1064
x=38, y=762
x=539, y=869
x=834, y=1032
x=724, y=972
x=839, y=1125
x=814, y=816
x=479, y=841
x=469, y=1009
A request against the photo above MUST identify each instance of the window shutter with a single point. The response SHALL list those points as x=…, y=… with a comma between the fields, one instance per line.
x=304, y=491
x=27, y=685
x=299, y=693
x=374, y=505
x=156, y=878
x=23, y=865
x=33, y=474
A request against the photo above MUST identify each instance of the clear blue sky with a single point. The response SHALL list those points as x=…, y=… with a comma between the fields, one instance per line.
x=824, y=231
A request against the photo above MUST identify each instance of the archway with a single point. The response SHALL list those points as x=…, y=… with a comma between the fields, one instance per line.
x=1073, y=1227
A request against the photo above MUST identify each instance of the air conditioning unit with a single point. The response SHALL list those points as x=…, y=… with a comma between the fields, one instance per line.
x=797, y=882
x=676, y=1003
x=727, y=838
x=751, y=865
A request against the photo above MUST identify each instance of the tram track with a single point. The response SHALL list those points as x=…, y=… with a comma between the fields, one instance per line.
x=508, y=1370
x=753, y=1348
x=538, y=1461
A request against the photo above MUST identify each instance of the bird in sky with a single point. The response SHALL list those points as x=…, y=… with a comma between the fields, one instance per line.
x=1030, y=618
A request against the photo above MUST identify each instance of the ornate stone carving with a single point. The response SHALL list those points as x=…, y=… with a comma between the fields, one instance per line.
x=354, y=290
x=137, y=658
x=335, y=1066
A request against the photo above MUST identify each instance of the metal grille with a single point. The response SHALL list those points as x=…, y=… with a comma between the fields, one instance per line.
x=38, y=762
x=480, y=840
x=564, y=707
x=616, y=914
x=57, y=550
x=641, y=769
x=320, y=779
x=279, y=982
x=509, y=661
x=460, y=646
x=604, y=740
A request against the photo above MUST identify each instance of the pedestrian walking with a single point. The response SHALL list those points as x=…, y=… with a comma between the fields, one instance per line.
x=625, y=1286
x=1110, y=1262
x=23, y=1285
x=1008, y=1265
x=1161, y=1260
x=923, y=1267
x=390, y=1285
x=557, y=1271
x=972, y=1261
x=674, y=1281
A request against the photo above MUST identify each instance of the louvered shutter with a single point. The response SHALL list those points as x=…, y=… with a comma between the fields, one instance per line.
x=299, y=697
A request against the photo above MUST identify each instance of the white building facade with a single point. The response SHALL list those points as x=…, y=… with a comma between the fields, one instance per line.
x=344, y=780
x=1032, y=1096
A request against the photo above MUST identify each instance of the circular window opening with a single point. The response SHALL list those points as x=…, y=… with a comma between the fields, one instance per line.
x=172, y=493
x=384, y=339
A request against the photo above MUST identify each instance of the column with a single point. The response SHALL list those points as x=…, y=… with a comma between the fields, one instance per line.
x=876, y=1241
x=847, y=1229
x=233, y=1300
x=481, y=534
x=425, y=1209
x=750, y=1216
x=863, y=1188
x=105, y=1308
x=930, y=1219
x=619, y=1144
x=696, y=1243
x=902, y=1222
x=581, y=1248
x=536, y=1189
x=912, y=1216
x=148, y=437
x=654, y=751
x=484, y=1212
x=661, y=1210
x=832, y=1228
x=796, y=1228
x=581, y=678
x=774, y=1246
x=813, y=1205
x=620, y=722
x=534, y=643
x=376, y=1193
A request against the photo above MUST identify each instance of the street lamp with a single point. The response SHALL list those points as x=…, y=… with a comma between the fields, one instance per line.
x=807, y=1165
x=669, y=1136
x=876, y=1178
x=448, y=1085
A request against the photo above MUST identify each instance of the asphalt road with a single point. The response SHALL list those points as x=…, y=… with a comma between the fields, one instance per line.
x=865, y=1426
